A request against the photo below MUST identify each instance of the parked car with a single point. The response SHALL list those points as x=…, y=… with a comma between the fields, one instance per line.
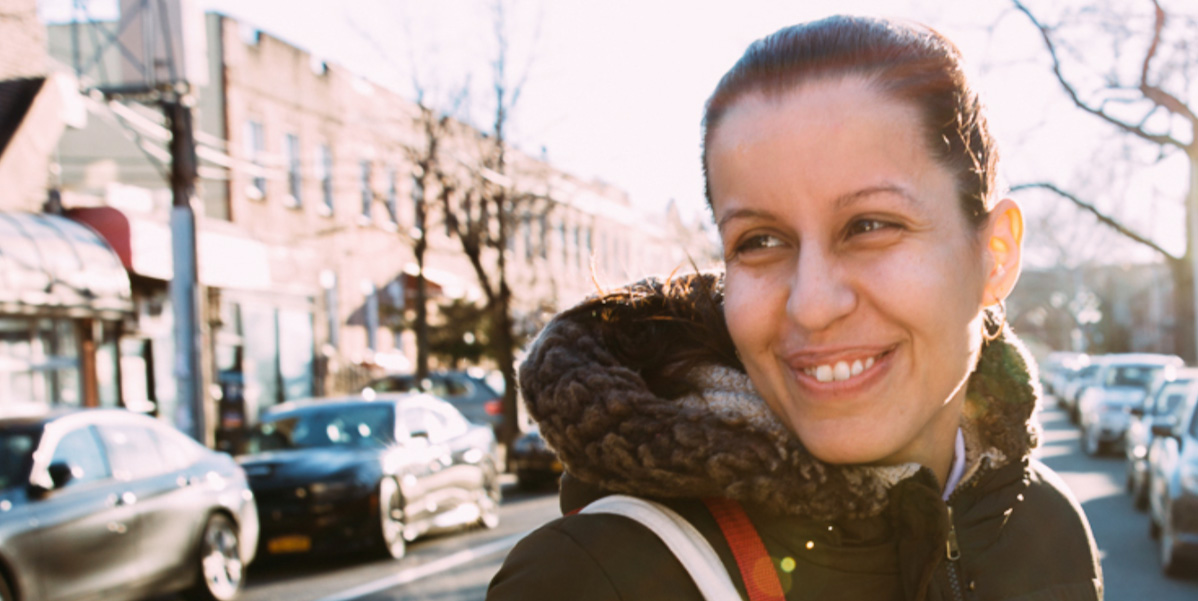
x=350, y=473
x=468, y=391
x=1075, y=386
x=1104, y=409
x=1163, y=403
x=534, y=463
x=1173, y=489
x=1058, y=367
x=114, y=505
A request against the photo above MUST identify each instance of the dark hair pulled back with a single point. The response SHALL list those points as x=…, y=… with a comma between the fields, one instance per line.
x=907, y=61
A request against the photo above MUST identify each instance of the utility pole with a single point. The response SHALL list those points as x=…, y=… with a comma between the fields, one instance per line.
x=184, y=283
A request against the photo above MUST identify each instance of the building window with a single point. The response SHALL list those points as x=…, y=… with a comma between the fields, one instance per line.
x=526, y=228
x=328, y=281
x=393, y=195
x=367, y=193
x=578, y=256
x=255, y=149
x=544, y=231
x=324, y=174
x=294, y=175
x=372, y=314
x=561, y=234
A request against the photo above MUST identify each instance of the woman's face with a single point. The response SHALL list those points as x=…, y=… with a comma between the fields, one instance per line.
x=854, y=283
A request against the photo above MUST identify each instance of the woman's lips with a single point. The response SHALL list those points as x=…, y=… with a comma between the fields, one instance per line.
x=841, y=369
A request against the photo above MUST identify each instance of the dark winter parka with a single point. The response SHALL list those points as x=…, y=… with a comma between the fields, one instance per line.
x=640, y=393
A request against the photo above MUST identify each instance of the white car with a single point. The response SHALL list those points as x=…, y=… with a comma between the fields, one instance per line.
x=1160, y=406
x=1122, y=381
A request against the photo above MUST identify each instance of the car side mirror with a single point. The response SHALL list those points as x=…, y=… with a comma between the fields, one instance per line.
x=1137, y=411
x=61, y=474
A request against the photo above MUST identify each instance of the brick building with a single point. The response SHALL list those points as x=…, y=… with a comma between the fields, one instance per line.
x=307, y=187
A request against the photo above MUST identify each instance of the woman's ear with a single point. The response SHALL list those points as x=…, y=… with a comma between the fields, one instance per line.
x=1004, y=243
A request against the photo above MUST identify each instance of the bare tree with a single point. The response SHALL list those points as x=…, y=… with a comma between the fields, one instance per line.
x=1139, y=87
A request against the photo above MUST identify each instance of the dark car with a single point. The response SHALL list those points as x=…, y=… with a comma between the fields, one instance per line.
x=534, y=463
x=1173, y=488
x=110, y=504
x=468, y=391
x=1166, y=399
x=350, y=473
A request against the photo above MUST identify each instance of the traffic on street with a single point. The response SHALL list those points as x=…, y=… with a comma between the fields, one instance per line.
x=458, y=567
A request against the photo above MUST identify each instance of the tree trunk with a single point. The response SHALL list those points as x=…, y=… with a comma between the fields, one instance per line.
x=421, y=286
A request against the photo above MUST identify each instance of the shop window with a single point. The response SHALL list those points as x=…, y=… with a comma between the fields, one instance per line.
x=296, y=344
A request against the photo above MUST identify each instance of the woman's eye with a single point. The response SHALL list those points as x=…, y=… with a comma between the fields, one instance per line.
x=759, y=242
x=865, y=226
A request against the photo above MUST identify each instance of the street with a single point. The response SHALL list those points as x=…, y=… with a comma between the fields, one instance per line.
x=457, y=567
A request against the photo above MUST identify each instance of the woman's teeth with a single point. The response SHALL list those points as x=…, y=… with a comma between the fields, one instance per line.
x=840, y=370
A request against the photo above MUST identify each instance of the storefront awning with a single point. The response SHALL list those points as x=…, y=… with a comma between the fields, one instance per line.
x=50, y=263
x=224, y=260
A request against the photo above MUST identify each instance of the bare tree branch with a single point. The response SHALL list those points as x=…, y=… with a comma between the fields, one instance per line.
x=1154, y=93
x=1102, y=217
x=1045, y=35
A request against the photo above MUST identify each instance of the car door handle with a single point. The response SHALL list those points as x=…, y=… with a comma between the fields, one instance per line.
x=125, y=498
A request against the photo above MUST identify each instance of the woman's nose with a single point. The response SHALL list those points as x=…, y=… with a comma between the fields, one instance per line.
x=820, y=292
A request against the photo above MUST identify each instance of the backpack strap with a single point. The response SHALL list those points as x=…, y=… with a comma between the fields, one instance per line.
x=682, y=538
x=756, y=568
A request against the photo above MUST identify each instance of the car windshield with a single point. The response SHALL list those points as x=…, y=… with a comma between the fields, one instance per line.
x=394, y=384
x=1137, y=376
x=331, y=426
x=16, y=452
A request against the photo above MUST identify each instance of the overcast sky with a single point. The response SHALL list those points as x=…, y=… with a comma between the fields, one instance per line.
x=615, y=88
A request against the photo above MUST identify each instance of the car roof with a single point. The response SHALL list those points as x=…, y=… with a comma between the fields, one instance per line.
x=1139, y=359
x=397, y=398
x=71, y=415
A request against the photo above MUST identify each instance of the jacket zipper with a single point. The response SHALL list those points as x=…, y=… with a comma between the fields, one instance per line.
x=953, y=553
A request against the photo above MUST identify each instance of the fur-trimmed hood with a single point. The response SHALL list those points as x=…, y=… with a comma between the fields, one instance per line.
x=638, y=390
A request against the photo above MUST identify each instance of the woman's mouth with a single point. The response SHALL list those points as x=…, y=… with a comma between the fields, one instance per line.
x=842, y=370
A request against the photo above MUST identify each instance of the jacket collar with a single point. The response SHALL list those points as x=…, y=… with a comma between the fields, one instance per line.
x=600, y=380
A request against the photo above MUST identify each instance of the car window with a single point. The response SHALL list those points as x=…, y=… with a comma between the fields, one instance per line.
x=1139, y=376
x=393, y=384
x=1169, y=397
x=133, y=451
x=16, y=457
x=419, y=420
x=84, y=454
x=456, y=388
x=451, y=420
x=178, y=450
x=362, y=425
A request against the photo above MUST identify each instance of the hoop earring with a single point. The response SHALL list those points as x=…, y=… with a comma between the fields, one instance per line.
x=1002, y=323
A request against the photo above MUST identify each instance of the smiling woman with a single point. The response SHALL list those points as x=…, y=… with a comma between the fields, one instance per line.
x=843, y=412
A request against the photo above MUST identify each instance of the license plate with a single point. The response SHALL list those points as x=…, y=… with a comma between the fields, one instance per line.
x=289, y=544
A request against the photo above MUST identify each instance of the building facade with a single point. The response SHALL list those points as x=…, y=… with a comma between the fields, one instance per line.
x=308, y=195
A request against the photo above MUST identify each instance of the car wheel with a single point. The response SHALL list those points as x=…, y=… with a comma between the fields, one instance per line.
x=220, y=573
x=1089, y=442
x=391, y=520
x=1154, y=529
x=1139, y=495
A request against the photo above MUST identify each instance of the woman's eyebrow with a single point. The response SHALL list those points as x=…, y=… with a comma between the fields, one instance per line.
x=846, y=200
x=745, y=213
